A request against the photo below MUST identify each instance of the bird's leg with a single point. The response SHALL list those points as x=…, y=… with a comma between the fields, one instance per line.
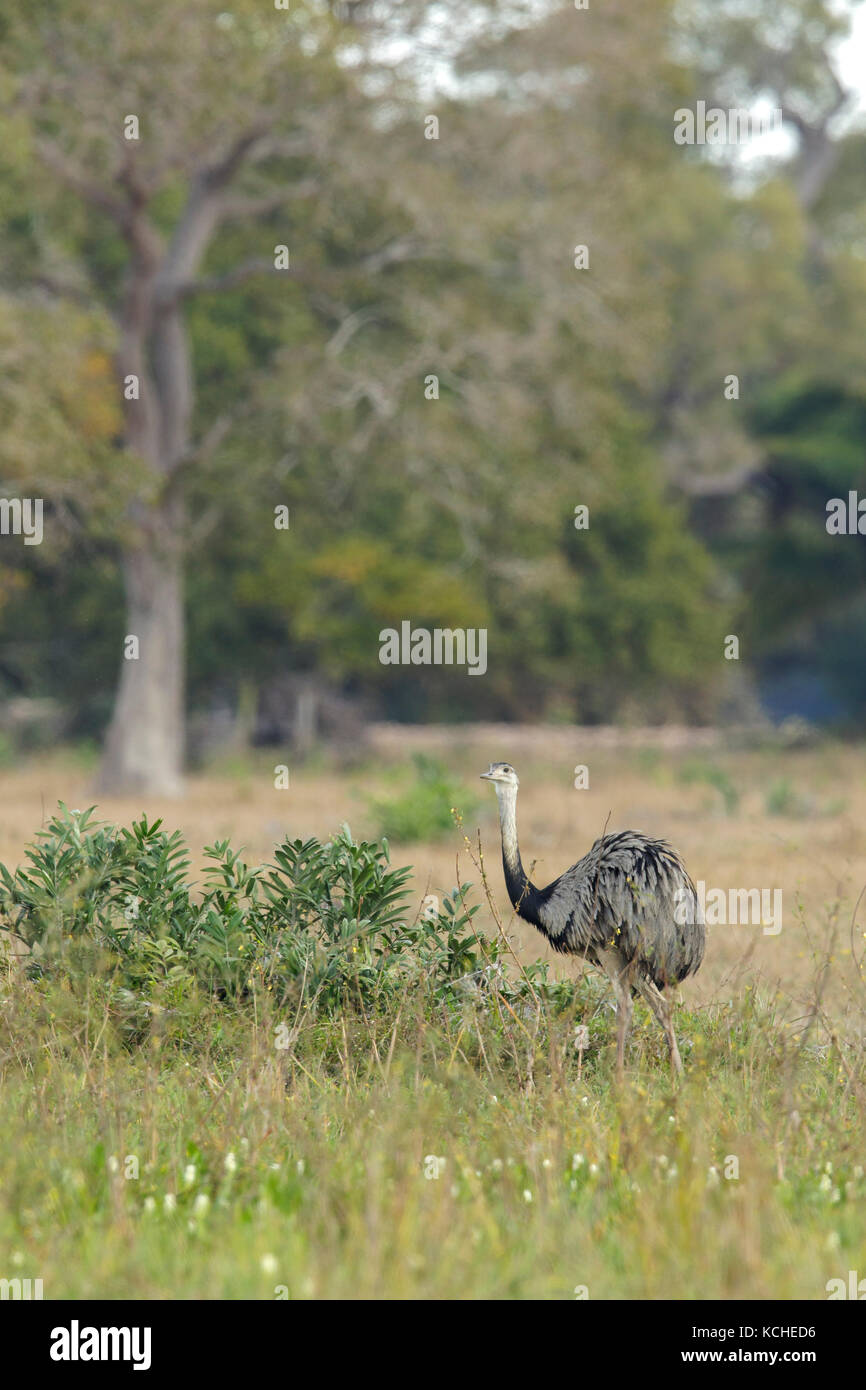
x=662, y=1007
x=624, y=1011
x=619, y=976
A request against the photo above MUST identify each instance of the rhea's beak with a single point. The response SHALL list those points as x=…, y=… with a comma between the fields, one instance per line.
x=488, y=776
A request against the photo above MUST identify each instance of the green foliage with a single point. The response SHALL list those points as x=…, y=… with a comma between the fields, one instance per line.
x=435, y=511
x=556, y=387
x=326, y=923
x=784, y=799
x=425, y=810
x=637, y=616
x=711, y=775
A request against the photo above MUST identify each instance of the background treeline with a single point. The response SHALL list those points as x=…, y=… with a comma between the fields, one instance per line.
x=453, y=257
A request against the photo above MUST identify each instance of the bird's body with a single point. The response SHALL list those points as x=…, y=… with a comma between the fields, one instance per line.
x=627, y=907
x=619, y=896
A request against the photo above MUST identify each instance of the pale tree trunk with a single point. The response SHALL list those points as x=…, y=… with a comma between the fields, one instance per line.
x=145, y=745
x=144, y=750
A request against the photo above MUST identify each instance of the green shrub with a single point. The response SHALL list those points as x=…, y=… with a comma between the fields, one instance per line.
x=784, y=799
x=326, y=923
x=696, y=770
x=425, y=810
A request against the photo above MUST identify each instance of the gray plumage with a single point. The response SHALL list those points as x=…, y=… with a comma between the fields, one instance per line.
x=624, y=894
x=628, y=907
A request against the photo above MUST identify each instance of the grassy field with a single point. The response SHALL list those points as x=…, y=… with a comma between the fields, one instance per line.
x=417, y=1150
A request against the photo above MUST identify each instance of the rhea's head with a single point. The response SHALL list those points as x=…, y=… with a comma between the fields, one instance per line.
x=503, y=777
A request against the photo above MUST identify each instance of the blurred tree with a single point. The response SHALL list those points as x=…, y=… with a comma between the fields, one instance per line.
x=168, y=124
x=452, y=258
x=772, y=270
x=797, y=334
x=781, y=51
x=541, y=370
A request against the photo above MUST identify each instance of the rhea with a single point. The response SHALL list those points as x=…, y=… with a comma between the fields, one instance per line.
x=628, y=907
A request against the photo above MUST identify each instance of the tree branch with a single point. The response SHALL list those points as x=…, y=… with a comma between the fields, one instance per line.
x=64, y=289
x=213, y=437
x=87, y=188
x=281, y=147
x=215, y=176
x=247, y=208
x=405, y=248
x=717, y=484
x=212, y=284
x=350, y=325
x=819, y=153
x=205, y=208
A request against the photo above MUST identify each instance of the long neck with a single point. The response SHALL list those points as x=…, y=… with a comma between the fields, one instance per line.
x=523, y=894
